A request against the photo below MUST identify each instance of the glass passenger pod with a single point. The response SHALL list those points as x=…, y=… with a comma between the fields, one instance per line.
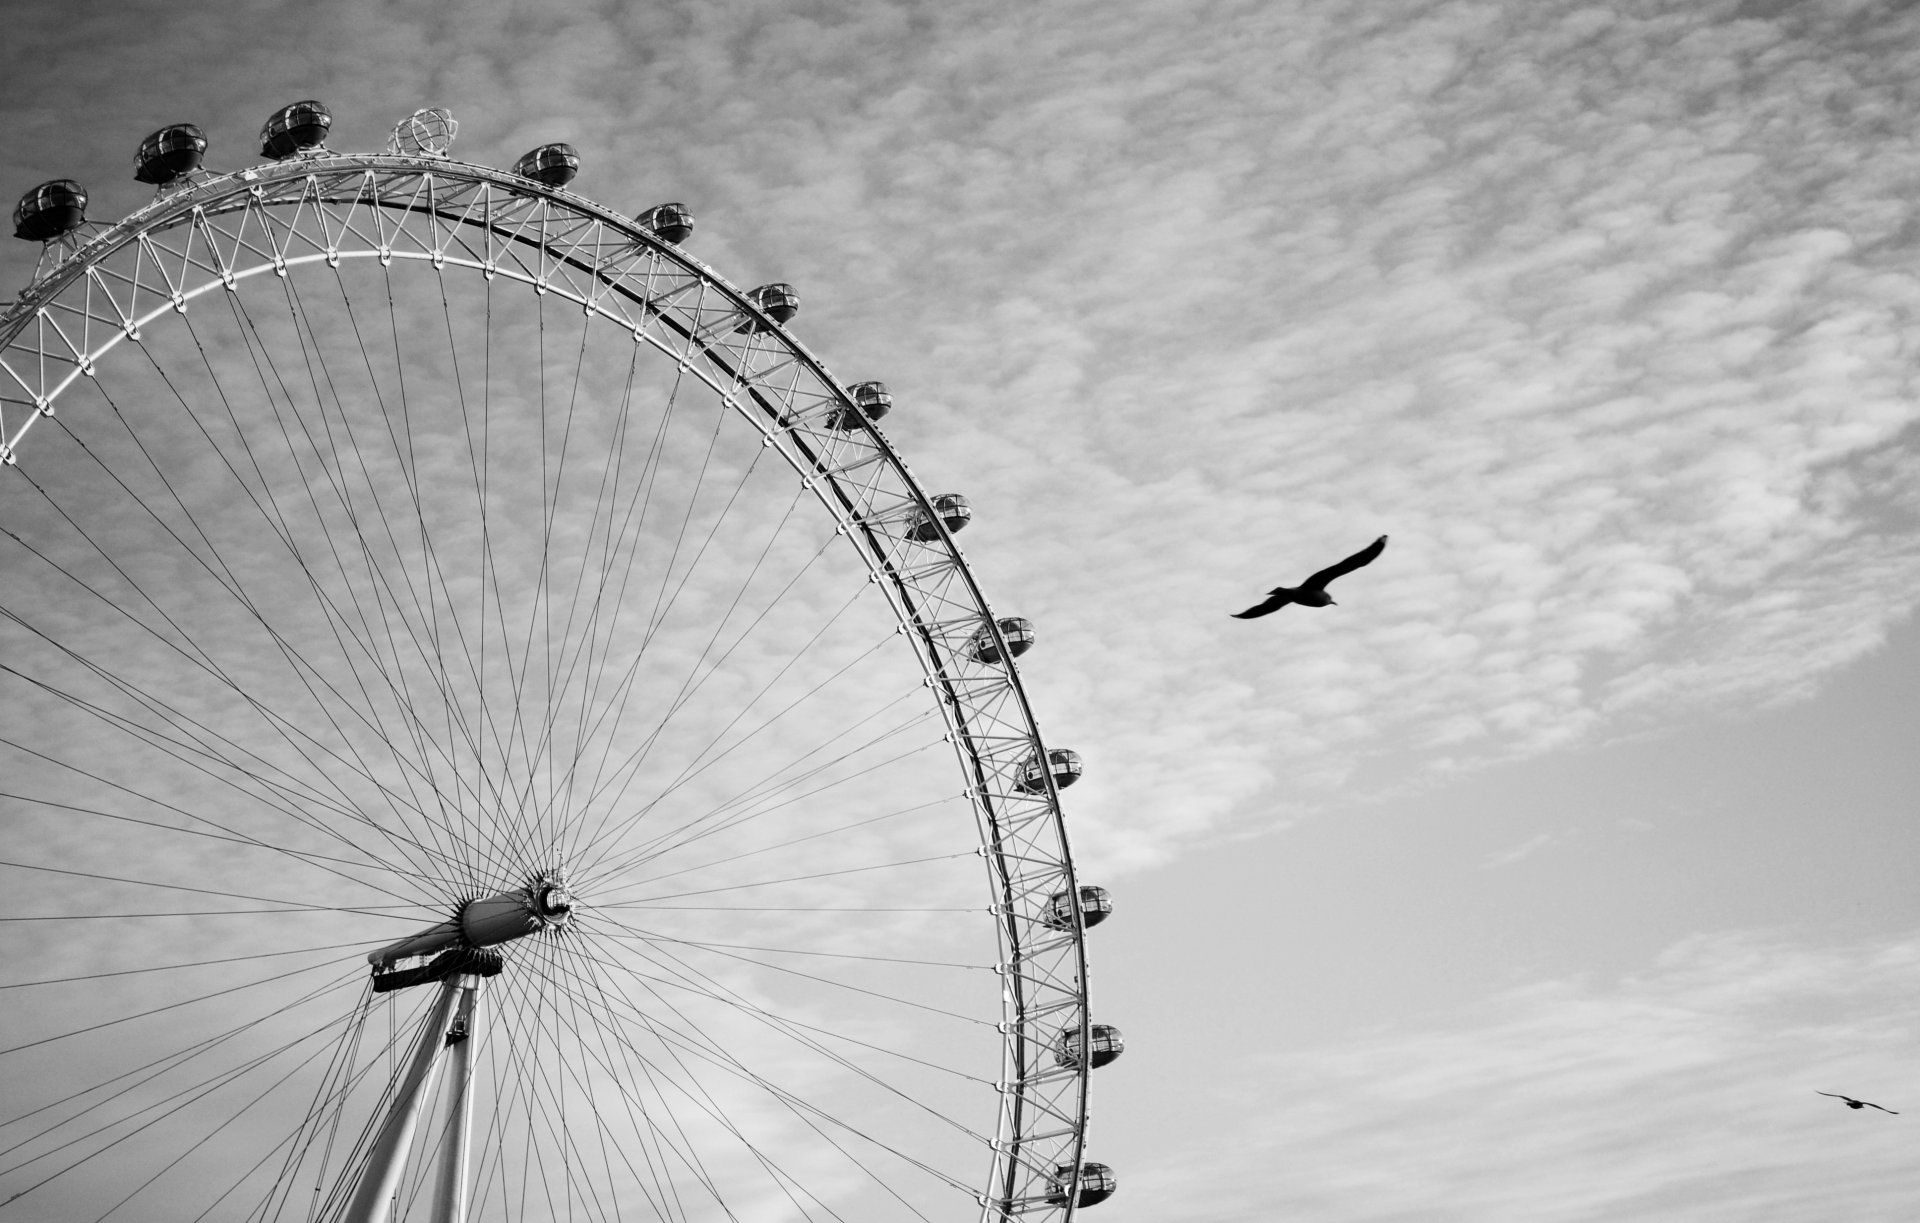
x=1063, y=764
x=424, y=133
x=668, y=222
x=51, y=210
x=1016, y=631
x=1103, y=1045
x=170, y=154
x=778, y=301
x=1097, y=1184
x=870, y=400
x=953, y=510
x=552, y=164
x=1096, y=905
x=295, y=129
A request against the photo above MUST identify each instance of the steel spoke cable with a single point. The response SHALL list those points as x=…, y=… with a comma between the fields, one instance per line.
x=766, y=806
x=777, y=1174
x=689, y=685
x=788, y=844
x=359, y=1153
x=204, y=1088
x=681, y=1147
x=129, y=972
x=717, y=992
x=598, y=632
x=652, y=936
x=211, y=1083
x=686, y=1149
x=632, y=528
x=637, y=939
x=608, y=1059
x=524, y=843
x=338, y=1071
x=655, y=1144
x=518, y=811
x=170, y=1006
x=720, y=1059
x=766, y=883
x=764, y=796
x=259, y=349
x=629, y=767
x=407, y=459
x=554, y=696
x=224, y=833
x=562, y=1035
x=787, y=1026
x=200, y=760
x=67, y=917
x=283, y=905
x=319, y=369
x=276, y=521
x=163, y=1064
x=632, y=904
x=126, y=686
x=190, y=728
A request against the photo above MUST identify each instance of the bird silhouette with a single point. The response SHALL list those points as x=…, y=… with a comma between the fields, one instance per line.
x=1313, y=591
x=1853, y=1103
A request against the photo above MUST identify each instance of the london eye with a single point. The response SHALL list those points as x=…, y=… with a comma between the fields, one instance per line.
x=491, y=728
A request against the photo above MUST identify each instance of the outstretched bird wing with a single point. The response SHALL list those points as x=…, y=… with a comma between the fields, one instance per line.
x=1857, y=1103
x=1277, y=599
x=1364, y=556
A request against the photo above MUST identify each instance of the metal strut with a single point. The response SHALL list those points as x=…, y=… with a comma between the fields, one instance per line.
x=449, y=1027
x=462, y=962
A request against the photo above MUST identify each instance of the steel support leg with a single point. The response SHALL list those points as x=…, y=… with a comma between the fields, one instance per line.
x=373, y=1199
x=450, y=1195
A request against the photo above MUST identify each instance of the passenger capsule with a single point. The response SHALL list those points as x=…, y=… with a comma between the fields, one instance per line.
x=51, y=210
x=170, y=154
x=424, y=133
x=778, y=301
x=870, y=400
x=552, y=164
x=1096, y=905
x=1103, y=1042
x=1063, y=764
x=1097, y=1184
x=952, y=509
x=294, y=129
x=1016, y=631
x=668, y=222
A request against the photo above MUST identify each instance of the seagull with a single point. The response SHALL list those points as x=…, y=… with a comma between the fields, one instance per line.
x=1853, y=1103
x=1313, y=591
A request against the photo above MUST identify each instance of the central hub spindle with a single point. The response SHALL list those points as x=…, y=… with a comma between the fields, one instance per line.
x=545, y=903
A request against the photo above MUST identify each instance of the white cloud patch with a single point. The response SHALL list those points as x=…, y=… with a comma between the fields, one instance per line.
x=1685, y=1092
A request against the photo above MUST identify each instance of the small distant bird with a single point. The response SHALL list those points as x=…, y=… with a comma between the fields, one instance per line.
x=1853, y=1103
x=1313, y=591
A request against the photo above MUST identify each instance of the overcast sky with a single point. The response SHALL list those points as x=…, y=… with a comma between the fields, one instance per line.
x=1548, y=875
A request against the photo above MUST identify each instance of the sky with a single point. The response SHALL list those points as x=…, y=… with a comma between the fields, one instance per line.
x=1550, y=873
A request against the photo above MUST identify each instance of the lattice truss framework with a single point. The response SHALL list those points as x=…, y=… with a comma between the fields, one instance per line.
x=219, y=232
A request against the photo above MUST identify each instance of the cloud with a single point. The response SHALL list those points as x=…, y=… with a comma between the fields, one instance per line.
x=1514, y=853
x=1601, y=315
x=1683, y=1092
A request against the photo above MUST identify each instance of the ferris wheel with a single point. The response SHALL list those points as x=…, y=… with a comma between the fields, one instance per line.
x=479, y=714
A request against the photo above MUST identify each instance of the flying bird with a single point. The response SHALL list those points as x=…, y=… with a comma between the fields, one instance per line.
x=1313, y=591
x=1853, y=1103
